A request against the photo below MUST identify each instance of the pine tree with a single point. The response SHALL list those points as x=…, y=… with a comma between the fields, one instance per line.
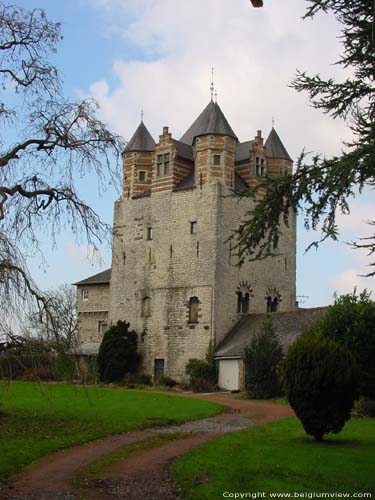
x=322, y=187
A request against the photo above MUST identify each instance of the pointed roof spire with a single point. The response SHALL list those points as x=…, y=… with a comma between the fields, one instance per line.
x=275, y=148
x=212, y=87
x=210, y=121
x=141, y=140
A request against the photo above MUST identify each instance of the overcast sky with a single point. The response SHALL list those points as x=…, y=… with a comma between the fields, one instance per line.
x=157, y=55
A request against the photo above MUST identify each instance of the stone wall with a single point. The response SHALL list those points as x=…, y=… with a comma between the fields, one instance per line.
x=92, y=311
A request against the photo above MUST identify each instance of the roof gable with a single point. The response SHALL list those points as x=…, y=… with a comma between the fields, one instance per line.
x=210, y=121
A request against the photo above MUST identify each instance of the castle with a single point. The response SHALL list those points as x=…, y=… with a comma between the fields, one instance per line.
x=174, y=275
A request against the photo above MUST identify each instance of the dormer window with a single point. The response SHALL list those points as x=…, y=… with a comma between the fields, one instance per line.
x=142, y=176
x=217, y=160
x=163, y=164
x=260, y=167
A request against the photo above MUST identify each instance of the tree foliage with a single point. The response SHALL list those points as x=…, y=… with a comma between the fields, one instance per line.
x=322, y=187
x=262, y=357
x=46, y=143
x=351, y=322
x=320, y=384
x=118, y=353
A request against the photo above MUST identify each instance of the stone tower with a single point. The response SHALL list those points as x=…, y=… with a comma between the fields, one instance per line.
x=174, y=275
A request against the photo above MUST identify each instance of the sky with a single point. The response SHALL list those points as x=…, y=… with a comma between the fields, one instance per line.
x=156, y=56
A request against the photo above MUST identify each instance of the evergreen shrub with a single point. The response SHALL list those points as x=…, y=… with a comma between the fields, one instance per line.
x=320, y=384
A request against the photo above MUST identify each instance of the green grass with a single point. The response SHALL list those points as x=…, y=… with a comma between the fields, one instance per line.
x=279, y=457
x=37, y=419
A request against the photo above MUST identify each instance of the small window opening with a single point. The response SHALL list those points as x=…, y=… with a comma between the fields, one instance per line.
x=193, y=310
x=272, y=304
x=102, y=326
x=149, y=234
x=193, y=227
x=243, y=302
x=262, y=167
x=257, y=166
x=197, y=248
x=146, y=307
x=142, y=176
x=217, y=159
x=85, y=294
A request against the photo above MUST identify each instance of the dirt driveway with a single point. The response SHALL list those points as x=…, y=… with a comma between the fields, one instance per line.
x=143, y=476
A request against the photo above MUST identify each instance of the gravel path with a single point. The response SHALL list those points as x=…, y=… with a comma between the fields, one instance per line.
x=142, y=477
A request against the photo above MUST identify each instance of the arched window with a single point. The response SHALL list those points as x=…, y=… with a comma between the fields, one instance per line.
x=273, y=299
x=244, y=293
x=193, y=309
x=146, y=307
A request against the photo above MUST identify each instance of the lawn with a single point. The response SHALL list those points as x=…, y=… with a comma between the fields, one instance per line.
x=279, y=457
x=37, y=418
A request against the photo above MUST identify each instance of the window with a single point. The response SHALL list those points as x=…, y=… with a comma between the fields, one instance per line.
x=102, y=326
x=163, y=165
x=272, y=304
x=142, y=176
x=257, y=166
x=193, y=227
x=146, y=307
x=149, y=234
x=193, y=310
x=243, y=302
x=262, y=167
x=217, y=160
x=85, y=294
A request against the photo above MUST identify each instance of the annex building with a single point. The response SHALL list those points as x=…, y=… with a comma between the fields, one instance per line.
x=174, y=275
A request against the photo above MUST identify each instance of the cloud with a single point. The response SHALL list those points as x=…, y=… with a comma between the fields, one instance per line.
x=169, y=51
x=347, y=280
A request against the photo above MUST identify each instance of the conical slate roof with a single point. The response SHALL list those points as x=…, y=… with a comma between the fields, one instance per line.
x=141, y=140
x=210, y=121
x=275, y=148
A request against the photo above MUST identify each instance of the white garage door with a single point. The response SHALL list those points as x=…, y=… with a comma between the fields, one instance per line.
x=229, y=374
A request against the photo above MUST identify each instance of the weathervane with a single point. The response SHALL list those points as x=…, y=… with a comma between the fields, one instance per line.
x=212, y=88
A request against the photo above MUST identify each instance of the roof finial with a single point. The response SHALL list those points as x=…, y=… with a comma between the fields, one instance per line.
x=273, y=122
x=216, y=96
x=142, y=114
x=212, y=88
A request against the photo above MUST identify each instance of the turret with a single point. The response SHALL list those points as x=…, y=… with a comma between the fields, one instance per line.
x=278, y=160
x=214, y=145
x=138, y=162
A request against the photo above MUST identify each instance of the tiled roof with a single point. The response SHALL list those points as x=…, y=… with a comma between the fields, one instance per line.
x=187, y=183
x=243, y=151
x=239, y=183
x=275, y=148
x=287, y=326
x=96, y=279
x=184, y=150
x=210, y=121
x=141, y=140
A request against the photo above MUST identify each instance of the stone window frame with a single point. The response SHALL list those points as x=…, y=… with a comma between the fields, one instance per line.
x=85, y=294
x=149, y=233
x=244, y=295
x=193, y=313
x=273, y=300
x=216, y=161
x=146, y=307
x=102, y=325
x=144, y=176
x=193, y=227
x=163, y=164
x=260, y=166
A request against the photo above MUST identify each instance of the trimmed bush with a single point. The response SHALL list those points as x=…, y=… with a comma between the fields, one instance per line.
x=320, y=384
x=118, y=353
x=262, y=358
